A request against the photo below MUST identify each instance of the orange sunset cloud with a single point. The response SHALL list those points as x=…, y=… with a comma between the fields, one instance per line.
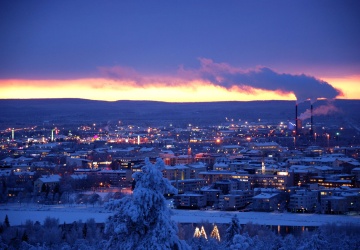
x=112, y=90
x=210, y=82
x=350, y=86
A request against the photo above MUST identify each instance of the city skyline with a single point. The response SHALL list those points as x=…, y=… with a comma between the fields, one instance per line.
x=180, y=51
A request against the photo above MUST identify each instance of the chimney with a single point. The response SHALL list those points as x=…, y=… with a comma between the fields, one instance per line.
x=311, y=121
x=296, y=119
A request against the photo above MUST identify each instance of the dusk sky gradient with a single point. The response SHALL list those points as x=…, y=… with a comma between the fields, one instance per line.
x=179, y=51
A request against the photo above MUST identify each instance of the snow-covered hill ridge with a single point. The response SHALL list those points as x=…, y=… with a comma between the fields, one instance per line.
x=19, y=214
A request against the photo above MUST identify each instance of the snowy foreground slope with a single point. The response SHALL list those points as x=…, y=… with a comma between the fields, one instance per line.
x=19, y=214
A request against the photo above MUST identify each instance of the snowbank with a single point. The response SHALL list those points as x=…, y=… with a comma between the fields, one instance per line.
x=19, y=214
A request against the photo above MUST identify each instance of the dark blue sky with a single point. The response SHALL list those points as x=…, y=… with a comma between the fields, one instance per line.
x=67, y=39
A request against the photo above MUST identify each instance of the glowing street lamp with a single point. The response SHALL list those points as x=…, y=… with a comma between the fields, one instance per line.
x=328, y=138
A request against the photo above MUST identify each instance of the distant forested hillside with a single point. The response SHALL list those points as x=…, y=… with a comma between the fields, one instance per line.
x=14, y=113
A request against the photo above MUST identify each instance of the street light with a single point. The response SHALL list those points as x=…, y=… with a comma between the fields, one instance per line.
x=328, y=138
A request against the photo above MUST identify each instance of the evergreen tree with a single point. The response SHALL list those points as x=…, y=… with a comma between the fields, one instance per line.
x=143, y=219
x=289, y=242
x=84, y=230
x=6, y=221
x=51, y=232
x=43, y=188
x=315, y=242
x=242, y=242
x=25, y=237
x=203, y=233
x=233, y=229
x=215, y=233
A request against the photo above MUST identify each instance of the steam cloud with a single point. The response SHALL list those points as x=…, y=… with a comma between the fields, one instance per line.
x=321, y=110
x=232, y=78
x=302, y=86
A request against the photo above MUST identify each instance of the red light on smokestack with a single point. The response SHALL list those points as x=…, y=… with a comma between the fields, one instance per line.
x=311, y=120
x=296, y=119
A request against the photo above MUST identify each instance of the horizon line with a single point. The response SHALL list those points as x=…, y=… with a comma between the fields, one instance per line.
x=129, y=100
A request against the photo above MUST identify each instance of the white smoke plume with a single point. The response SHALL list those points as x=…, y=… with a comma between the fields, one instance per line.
x=321, y=110
x=304, y=87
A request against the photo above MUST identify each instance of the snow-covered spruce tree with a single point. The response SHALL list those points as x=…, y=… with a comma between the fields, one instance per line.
x=233, y=229
x=242, y=242
x=143, y=219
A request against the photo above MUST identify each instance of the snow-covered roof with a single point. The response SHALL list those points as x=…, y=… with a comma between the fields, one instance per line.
x=216, y=172
x=114, y=150
x=253, y=151
x=323, y=168
x=188, y=180
x=265, y=195
x=184, y=156
x=22, y=173
x=8, y=160
x=221, y=164
x=209, y=189
x=349, y=194
x=106, y=171
x=101, y=150
x=78, y=176
x=86, y=170
x=23, y=158
x=181, y=166
x=266, y=144
x=197, y=165
x=50, y=178
x=6, y=172
x=334, y=198
x=299, y=167
x=231, y=146
x=266, y=190
x=42, y=164
x=146, y=149
x=191, y=194
x=167, y=152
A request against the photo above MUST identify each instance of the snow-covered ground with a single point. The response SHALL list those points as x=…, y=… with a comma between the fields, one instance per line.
x=68, y=214
x=282, y=219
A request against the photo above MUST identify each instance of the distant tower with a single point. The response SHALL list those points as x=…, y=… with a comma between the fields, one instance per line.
x=52, y=134
x=138, y=139
x=12, y=134
x=296, y=119
x=263, y=167
x=311, y=121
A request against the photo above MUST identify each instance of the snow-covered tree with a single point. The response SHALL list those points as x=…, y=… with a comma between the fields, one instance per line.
x=233, y=229
x=315, y=242
x=289, y=242
x=197, y=233
x=215, y=233
x=203, y=233
x=6, y=221
x=241, y=242
x=51, y=232
x=143, y=219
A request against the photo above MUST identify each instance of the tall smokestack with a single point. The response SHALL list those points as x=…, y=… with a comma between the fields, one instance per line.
x=311, y=120
x=296, y=119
